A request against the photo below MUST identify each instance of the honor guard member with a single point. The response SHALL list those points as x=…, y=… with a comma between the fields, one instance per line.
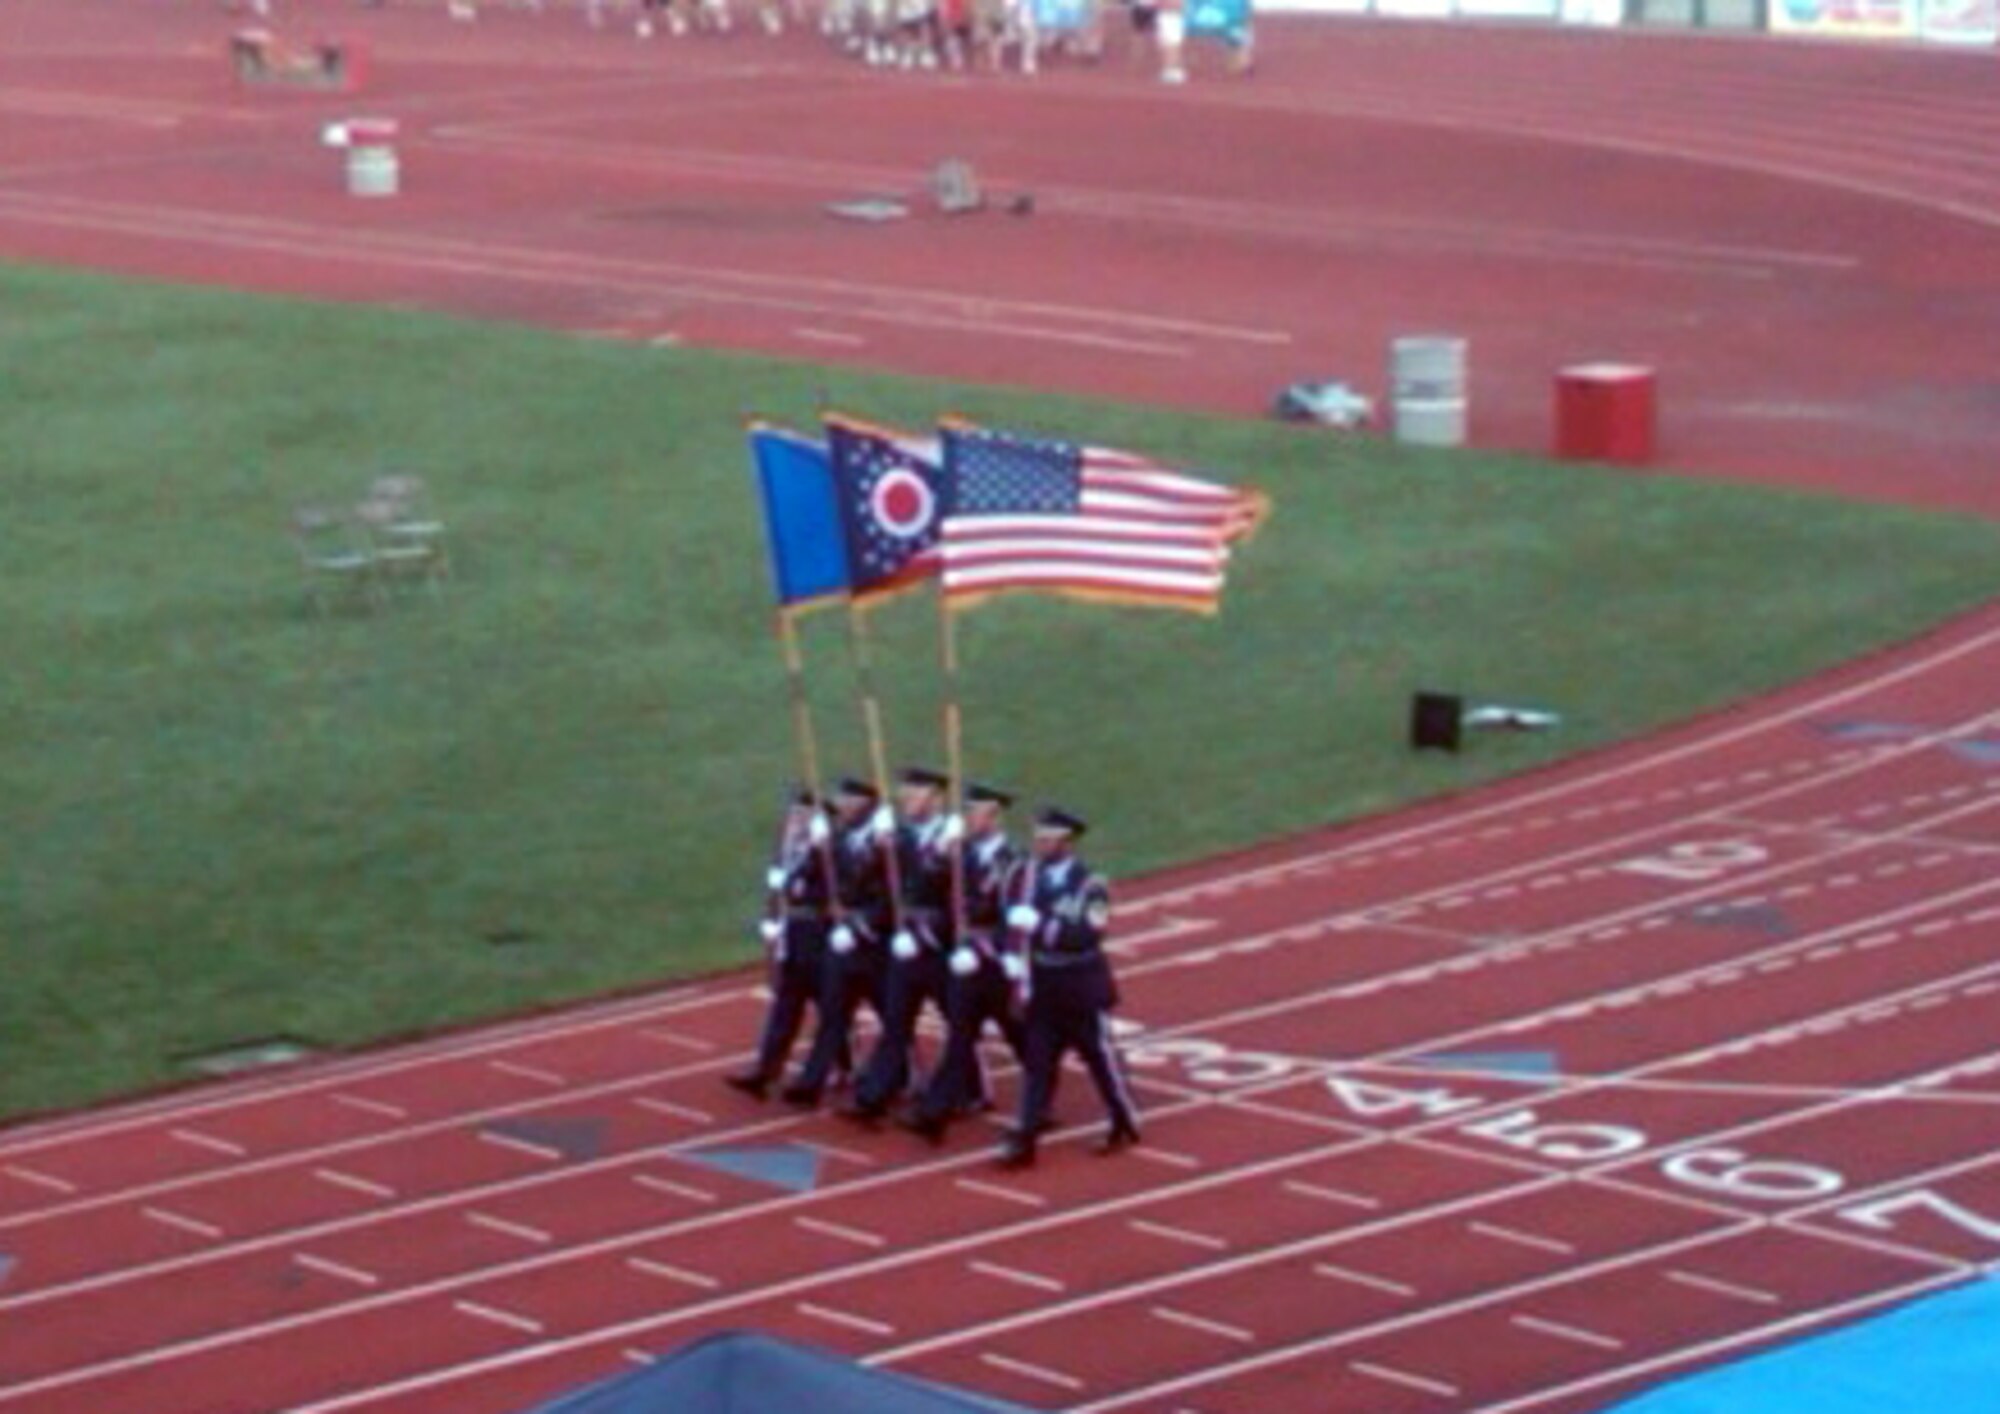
x=979, y=990
x=923, y=841
x=1060, y=923
x=797, y=915
x=857, y=944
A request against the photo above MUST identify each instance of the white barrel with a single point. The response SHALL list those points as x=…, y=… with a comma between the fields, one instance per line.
x=373, y=170
x=1427, y=389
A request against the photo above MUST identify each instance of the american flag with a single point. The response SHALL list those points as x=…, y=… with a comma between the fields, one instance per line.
x=1057, y=517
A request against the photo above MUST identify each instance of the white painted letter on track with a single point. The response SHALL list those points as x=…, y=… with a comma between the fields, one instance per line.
x=1569, y=1143
x=1734, y=1174
x=1697, y=861
x=1880, y=1214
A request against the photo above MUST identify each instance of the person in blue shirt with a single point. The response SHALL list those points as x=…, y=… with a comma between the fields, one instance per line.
x=925, y=841
x=798, y=912
x=1059, y=924
x=857, y=943
x=979, y=990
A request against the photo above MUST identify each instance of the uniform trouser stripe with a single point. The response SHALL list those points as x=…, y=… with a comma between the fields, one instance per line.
x=1110, y=1076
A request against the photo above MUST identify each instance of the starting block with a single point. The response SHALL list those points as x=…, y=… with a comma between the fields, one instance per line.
x=260, y=59
x=955, y=189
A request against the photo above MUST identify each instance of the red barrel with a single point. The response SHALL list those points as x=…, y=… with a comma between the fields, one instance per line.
x=1605, y=412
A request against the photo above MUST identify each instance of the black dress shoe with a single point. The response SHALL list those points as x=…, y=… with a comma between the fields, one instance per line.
x=861, y=1112
x=1017, y=1152
x=804, y=1096
x=750, y=1082
x=1122, y=1136
x=929, y=1127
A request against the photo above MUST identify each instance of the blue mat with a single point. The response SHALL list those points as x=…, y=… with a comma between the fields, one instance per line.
x=788, y=1166
x=1940, y=1355
x=1523, y=1065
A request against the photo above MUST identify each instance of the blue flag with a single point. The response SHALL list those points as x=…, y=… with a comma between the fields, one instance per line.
x=801, y=518
x=890, y=506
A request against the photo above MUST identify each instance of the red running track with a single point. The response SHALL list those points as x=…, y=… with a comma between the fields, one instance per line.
x=1757, y=953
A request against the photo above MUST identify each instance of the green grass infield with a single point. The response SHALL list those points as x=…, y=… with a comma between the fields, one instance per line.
x=226, y=818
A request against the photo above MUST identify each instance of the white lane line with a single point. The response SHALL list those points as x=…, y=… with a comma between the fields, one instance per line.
x=502, y=1226
x=521, y=1146
x=834, y=1151
x=1178, y=1234
x=39, y=1179
x=340, y=1179
x=1177, y=1317
x=672, y=1273
x=526, y=1072
x=859, y=1236
x=1330, y=1195
x=843, y=1318
x=1034, y=1280
x=674, y=1038
x=1164, y=1156
x=198, y=1140
x=678, y=1190
x=1522, y=1239
x=827, y=336
x=1389, y=1374
x=404, y=1059
x=336, y=1269
x=183, y=1222
x=1042, y=1373
x=371, y=1107
x=1369, y=1279
x=1002, y=1192
x=1723, y=1288
x=634, y=1355
x=668, y=1107
x=499, y=1318
x=1577, y=1334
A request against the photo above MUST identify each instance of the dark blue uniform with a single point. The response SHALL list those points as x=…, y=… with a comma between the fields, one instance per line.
x=800, y=913
x=974, y=998
x=851, y=978
x=923, y=868
x=1070, y=997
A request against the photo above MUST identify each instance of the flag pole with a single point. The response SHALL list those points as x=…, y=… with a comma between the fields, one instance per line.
x=806, y=737
x=860, y=643
x=954, y=746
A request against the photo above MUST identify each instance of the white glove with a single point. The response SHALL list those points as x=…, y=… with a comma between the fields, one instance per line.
x=964, y=962
x=953, y=831
x=771, y=929
x=904, y=945
x=818, y=830
x=883, y=822
x=1024, y=916
x=1013, y=966
x=841, y=939
x=774, y=878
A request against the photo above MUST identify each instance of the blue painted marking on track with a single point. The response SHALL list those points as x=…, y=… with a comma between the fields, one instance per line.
x=6, y=1268
x=788, y=1166
x=1526, y=1065
x=1937, y=1355
x=1867, y=731
x=572, y=1138
x=1978, y=751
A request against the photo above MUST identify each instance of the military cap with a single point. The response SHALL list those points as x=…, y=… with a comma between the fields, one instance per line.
x=924, y=776
x=981, y=794
x=1054, y=817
